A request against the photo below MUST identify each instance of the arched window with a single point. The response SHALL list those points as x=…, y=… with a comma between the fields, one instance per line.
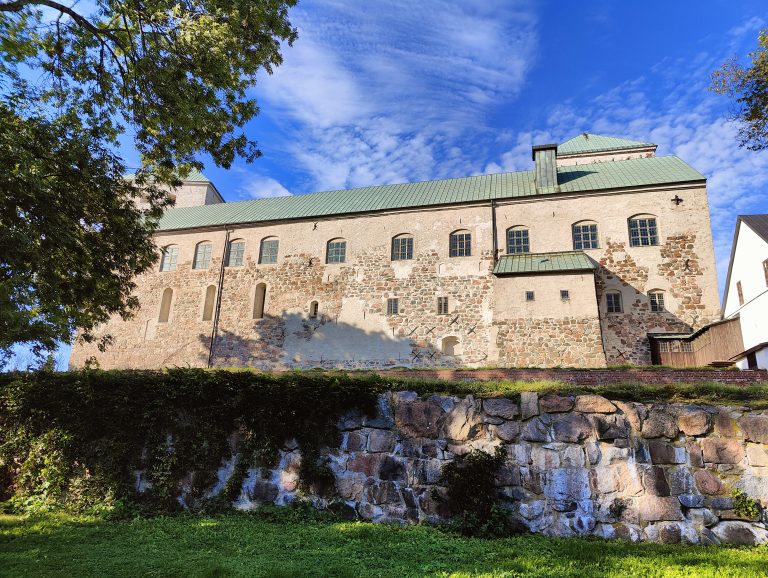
x=202, y=255
x=168, y=259
x=585, y=235
x=235, y=253
x=643, y=231
x=336, y=251
x=259, y=298
x=314, y=307
x=613, y=302
x=402, y=247
x=450, y=345
x=165, y=305
x=656, y=297
x=268, y=250
x=460, y=244
x=210, y=301
x=518, y=240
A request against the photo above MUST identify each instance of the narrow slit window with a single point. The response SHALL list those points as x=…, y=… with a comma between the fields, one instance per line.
x=765, y=271
x=165, y=305
x=460, y=244
x=450, y=344
x=268, y=251
x=235, y=253
x=169, y=258
x=314, y=307
x=740, y=292
x=210, y=300
x=258, y=300
x=442, y=305
x=657, y=301
x=613, y=302
x=202, y=256
x=393, y=306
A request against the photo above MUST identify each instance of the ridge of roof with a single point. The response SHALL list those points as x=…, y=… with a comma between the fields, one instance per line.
x=592, y=143
x=478, y=188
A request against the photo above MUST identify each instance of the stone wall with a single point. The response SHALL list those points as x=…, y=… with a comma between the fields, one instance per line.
x=576, y=465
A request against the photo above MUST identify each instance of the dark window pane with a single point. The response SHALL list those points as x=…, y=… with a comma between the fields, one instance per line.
x=518, y=241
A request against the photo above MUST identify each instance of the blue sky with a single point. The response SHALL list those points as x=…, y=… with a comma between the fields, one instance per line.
x=375, y=92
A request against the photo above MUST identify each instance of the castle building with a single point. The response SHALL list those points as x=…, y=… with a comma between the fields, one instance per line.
x=574, y=263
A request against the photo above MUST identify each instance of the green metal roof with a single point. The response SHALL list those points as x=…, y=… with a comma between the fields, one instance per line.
x=573, y=179
x=592, y=143
x=533, y=263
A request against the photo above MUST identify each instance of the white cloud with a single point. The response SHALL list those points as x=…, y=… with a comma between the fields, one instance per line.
x=373, y=93
x=260, y=187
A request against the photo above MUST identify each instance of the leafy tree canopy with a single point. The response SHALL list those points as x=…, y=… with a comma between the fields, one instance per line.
x=173, y=77
x=749, y=87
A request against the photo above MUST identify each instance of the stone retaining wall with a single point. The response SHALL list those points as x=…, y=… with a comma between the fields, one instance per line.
x=576, y=465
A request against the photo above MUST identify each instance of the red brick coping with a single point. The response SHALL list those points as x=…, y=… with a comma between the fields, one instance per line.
x=588, y=376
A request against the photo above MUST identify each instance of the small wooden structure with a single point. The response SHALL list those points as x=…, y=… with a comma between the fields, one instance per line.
x=715, y=344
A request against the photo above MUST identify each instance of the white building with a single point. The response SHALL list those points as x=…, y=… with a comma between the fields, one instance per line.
x=746, y=289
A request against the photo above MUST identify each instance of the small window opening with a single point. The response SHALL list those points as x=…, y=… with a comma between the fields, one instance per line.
x=210, y=300
x=313, y=309
x=442, y=305
x=393, y=306
x=530, y=296
x=565, y=294
x=258, y=301
x=165, y=305
x=613, y=302
x=740, y=292
x=657, y=301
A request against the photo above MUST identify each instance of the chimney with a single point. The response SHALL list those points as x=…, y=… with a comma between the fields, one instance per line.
x=545, y=174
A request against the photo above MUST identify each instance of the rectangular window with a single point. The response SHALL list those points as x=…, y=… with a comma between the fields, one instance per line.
x=169, y=258
x=392, y=306
x=518, y=241
x=402, y=248
x=461, y=245
x=442, y=305
x=585, y=236
x=738, y=290
x=268, y=252
x=337, y=252
x=565, y=294
x=235, y=254
x=643, y=232
x=613, y=301
x=530, y=296
x=765, y=271
x=202, y=256
x=657, y=301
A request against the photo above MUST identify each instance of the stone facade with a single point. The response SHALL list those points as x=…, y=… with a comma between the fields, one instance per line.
x=576, y=465
x=489, y=321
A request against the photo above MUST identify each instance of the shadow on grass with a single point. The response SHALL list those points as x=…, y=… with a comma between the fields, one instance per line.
x=247, y=545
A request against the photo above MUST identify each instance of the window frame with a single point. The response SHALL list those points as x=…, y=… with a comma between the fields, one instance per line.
x=442, y=305
x=565, y=294
x=530, y=296
x=273, y=241
x=165, y=312
x=656, y=300
x=397, y=253
x=522, y=245
x=339, y=251
x=611, y=308
x=169, y=258
x=740, y=293
x=206, y=259
x=593, y=237
x=637, y=240
x=240, y=252
x=314, y=309
x=393, y=306
x=765, y=271
x=460, y=243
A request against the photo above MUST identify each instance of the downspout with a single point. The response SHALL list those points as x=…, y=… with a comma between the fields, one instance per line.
x=217, y=310
x=493, y=227
x=599, y=317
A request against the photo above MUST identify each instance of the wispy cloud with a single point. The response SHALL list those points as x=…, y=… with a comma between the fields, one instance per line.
x=260, y=187
x=390, y=91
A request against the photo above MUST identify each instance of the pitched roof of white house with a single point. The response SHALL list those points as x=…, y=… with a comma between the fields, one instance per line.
x=759, y=224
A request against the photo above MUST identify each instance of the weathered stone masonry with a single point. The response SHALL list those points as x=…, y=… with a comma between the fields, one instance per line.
x=576, y=465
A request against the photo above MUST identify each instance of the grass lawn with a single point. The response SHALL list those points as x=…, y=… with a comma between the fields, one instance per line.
x=249, y=545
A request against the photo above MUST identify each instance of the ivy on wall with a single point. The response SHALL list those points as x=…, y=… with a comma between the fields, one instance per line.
x=78, y=439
